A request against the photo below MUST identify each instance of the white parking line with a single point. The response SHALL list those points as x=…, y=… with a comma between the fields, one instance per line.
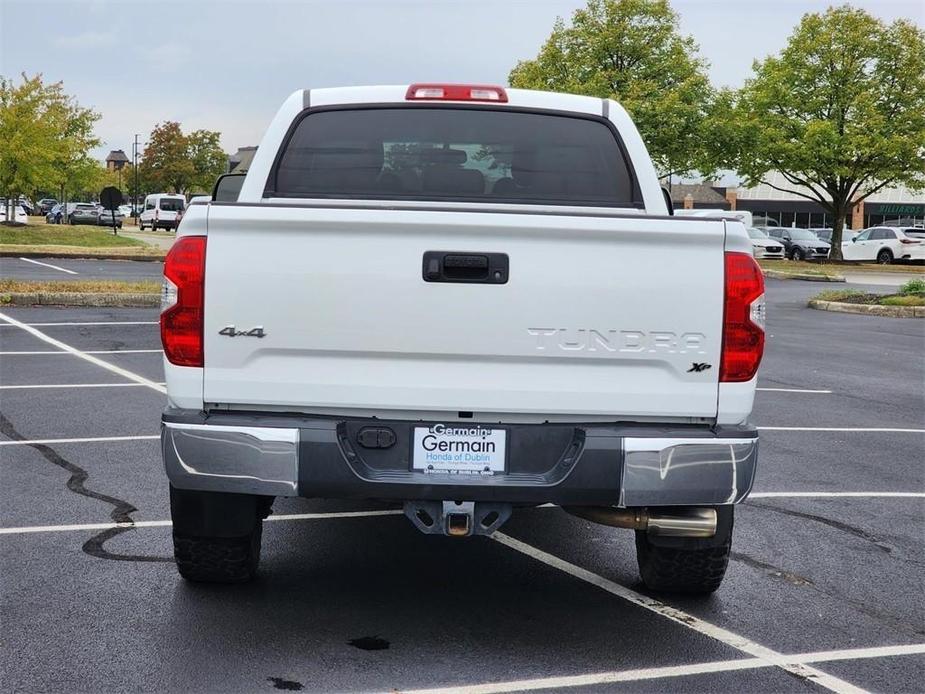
x=78, y=385
x=889, y=430
x=354, y=514
x=671, y=671
x=740, y=643
x=125, y=373
x=48, y=352
x=115, y=322
x=88, y=439
x=29, y=529
x=53, y=267
x=793, y=390
x=837, y=495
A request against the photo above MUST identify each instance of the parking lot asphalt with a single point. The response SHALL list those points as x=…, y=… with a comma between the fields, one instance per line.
x=76, y=269
x=881, y=280
x=824, y=591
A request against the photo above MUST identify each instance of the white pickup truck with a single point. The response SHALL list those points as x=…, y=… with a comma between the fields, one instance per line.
x=464, y=299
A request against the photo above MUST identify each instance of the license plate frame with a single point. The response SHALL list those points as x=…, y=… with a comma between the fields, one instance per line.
x=459, y=449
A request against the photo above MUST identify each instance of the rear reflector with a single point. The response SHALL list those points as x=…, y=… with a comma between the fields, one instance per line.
x=182, y=301
x=456, y=92
x=743, y=319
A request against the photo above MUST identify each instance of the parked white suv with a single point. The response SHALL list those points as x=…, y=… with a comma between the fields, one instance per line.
x=763, y=246
x=463, y=299
x=886, y=244
x=18, y=213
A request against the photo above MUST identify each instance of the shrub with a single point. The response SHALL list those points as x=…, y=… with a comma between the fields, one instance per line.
x=904, y=300
x=915, y=286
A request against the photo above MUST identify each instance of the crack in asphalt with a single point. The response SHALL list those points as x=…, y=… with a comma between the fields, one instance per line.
x=838, y=525
x=803, y=582
x=775, y=571
x=76, y=483
x=861, y=606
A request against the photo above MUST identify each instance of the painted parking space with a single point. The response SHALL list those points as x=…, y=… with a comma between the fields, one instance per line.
x=559, y=599
x=75, y=269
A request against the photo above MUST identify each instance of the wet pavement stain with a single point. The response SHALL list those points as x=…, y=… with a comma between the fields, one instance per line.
x=286, y=685
x=369, y=643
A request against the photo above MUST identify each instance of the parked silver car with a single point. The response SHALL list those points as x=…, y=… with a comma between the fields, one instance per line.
x=104, y=218
x=764, y=246
x=81, y=213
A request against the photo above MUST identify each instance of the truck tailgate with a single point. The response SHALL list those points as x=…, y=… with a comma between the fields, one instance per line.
x=601, y=315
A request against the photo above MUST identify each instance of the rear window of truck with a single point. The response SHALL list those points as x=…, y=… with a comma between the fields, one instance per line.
x=454, y=154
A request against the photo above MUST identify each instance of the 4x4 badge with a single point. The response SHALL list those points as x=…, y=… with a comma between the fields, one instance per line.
x=231, y=331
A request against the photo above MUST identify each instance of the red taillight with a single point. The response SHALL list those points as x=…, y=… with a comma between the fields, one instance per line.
x=909, y=241
x=182, y=301
x=743, y=319
x=456, y=92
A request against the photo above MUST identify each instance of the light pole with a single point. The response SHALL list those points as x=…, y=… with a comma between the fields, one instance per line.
x=135, y=164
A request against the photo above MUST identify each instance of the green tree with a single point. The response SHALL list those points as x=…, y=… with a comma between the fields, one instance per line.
x=181, y=163
x=840, y=112
x=166, y=162
x=209, y=160
x=82, y=177
x=631, y=51
x=44, y=133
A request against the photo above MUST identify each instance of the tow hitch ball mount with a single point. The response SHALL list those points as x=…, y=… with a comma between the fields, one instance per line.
x=457, y=518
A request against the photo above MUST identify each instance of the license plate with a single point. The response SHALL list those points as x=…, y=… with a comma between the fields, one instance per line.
x=459, y=450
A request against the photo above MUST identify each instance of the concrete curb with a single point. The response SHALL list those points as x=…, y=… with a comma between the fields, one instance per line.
x=80, y=299
x=869, y=309
x=81, y=256
x=778, y=275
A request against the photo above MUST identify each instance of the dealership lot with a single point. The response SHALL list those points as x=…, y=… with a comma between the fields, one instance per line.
x=825, y=590
x=73, y=269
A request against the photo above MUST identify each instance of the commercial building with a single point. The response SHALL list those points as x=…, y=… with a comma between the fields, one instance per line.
x=116, y=160
x=892, y=206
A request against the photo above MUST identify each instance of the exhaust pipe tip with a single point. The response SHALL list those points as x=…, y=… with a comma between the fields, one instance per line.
x=673, y=522
x=695, y=522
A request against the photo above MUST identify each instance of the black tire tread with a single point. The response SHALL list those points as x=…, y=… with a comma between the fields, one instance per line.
x=691, y=571
x=218, y=559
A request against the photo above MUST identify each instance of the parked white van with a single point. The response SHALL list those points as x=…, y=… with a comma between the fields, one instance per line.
x=162, y=211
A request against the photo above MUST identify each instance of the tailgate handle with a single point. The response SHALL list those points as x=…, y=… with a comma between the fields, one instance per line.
x=476, y=268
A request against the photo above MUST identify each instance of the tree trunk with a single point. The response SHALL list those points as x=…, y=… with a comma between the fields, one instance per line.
x=837, y=226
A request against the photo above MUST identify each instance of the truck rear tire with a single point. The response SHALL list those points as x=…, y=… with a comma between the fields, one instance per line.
x=216, y=536
x=693, y=566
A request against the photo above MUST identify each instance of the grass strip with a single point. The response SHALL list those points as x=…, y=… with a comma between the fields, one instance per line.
x=40, y=235
x=79, y=287
x=853, y=296
x=796, y=267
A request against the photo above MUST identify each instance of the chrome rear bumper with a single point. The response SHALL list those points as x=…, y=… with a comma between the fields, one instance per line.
x=606, y=465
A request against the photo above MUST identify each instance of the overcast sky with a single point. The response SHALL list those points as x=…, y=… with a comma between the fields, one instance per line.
x=228, y=65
